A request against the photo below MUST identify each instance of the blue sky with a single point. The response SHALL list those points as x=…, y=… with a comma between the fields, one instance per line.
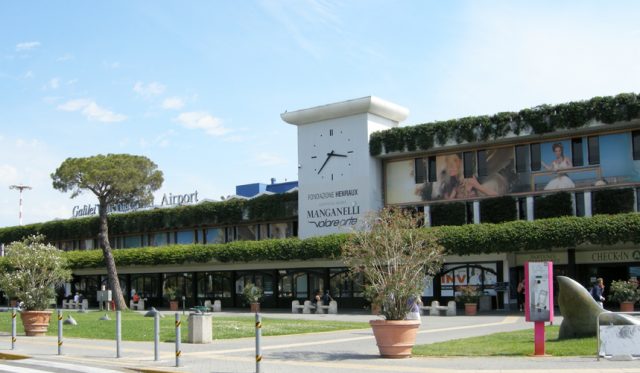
x=198, y=86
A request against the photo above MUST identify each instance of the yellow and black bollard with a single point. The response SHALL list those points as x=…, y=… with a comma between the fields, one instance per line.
x=258, y=335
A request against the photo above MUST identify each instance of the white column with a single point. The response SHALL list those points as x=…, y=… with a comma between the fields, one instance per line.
x=529, y=208
x=427, y=216
x=587, y=204
x=476, y=212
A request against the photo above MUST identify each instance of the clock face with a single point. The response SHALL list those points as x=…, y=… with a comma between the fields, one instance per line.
x=331, y=155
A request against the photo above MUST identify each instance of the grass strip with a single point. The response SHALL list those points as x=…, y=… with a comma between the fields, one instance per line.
x=136, y=327
x=518, y=343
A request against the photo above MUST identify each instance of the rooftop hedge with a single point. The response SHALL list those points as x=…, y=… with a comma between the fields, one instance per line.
x=264, y=208
x=538, y=120
x=544, y=234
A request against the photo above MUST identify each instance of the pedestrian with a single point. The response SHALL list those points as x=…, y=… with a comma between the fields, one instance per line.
x=597, y=290
x=414, y=303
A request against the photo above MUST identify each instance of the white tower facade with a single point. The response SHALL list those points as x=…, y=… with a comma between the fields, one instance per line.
x=338, y=181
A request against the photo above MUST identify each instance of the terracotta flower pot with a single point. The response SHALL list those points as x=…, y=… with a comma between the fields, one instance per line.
x=626, y=306
x=255, y=307
x=36, y=323
x=395, y=338
x=470, y=309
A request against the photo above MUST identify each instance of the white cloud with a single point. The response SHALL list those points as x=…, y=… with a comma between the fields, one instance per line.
x=29, y=75
x=148, y=90
x=8, y=174
x=92, y=111
x=66, y=57
x=269, y=159
x=204, y=121
x=54, y=83
x=173, y=103
x=27, y=46
x=111, y=65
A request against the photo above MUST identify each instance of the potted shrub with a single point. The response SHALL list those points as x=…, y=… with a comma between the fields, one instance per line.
x=171, y=295
x=394, y=257
x=253, y=295
x=469, y=296
x=30, y=271
x=626, y=293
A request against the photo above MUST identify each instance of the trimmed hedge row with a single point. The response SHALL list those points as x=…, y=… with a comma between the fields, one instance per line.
x=460, y=240
x=259, y=209
x=538, y=120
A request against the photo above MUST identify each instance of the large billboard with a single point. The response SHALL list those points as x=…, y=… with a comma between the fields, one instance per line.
x=546, y=166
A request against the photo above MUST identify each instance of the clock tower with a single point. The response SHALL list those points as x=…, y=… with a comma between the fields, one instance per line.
x=338, y=181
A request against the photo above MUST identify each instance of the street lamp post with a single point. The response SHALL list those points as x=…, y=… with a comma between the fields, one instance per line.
x=20, y=188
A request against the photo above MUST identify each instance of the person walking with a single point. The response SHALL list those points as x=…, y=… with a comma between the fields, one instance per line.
x=520, y=290
x=597, y=290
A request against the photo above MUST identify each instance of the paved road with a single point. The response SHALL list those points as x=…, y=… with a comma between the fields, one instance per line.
x=345, y=351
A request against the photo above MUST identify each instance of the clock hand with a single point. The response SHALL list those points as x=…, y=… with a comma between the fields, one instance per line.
x=325, y=162
x=339, y=155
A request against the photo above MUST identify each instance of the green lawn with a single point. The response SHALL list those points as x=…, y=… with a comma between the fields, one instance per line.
x=136, y=327
x=519, y=343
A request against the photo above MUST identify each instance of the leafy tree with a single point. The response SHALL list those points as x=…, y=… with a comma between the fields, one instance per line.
x=31, y=270
x=114, y=179
x=394, y=258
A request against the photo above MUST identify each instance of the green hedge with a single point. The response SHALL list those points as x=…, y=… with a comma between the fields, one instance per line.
x=467, y=239
x=235, y=211
x=453, y=213
x=552, y=205
x=498, y=210
x=538, y=120
x=613, y=201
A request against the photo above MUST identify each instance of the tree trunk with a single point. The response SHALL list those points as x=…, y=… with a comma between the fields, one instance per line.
x=110, y=263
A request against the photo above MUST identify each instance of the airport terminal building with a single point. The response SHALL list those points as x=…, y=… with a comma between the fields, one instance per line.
x=557, y=170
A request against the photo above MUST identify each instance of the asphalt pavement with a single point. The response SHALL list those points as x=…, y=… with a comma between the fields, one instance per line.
x=348, y=351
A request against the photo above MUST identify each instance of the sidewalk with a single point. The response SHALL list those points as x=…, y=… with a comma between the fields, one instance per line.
x=346, y=351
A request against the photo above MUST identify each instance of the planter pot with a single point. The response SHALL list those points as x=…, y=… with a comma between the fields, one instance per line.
x=395, y=338
x=255, y=307
x=174, y=305
x=626, y=306
x=470, y=309
x=36, y=323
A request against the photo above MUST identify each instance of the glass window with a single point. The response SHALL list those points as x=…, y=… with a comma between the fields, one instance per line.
x=280, y=230
x=247, y=232
x=579, y=197
x=231, y=234
x=420, y=170
x=593, y=143
x=522, y=208
x=263, y=232
x=522, y=158
x=635, y=136
x=469, y=164
x=482, y=163
x=215, y=235
x=469, y=212
x=536, y=164
x=185, y=237
x=577, y=158
x=158, y=239
x=131, y=241
x=433, y=171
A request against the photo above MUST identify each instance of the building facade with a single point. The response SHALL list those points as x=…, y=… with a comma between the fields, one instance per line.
x=486, y=173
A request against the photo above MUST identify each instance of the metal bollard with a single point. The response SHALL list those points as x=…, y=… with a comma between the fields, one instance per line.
x=178, y=339
x=60, y=332
x=258, y=335
x=156, y=336
x=118, y=334
x=13, y=328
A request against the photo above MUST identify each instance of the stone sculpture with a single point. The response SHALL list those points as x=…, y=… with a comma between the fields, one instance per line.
x=580, y=311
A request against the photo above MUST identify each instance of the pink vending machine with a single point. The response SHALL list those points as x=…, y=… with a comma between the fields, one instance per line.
x=538, y=298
